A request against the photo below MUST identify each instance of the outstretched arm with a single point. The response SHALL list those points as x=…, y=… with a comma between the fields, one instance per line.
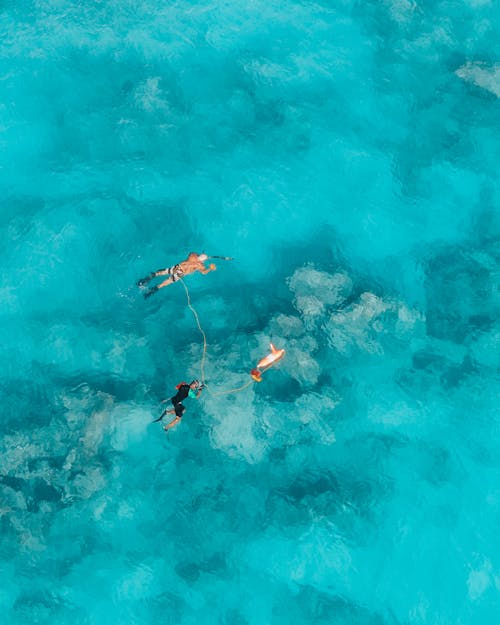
x=205, y=270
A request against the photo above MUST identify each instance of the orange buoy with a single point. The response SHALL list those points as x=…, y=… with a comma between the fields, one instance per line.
x=270, y=359
x=266, y=362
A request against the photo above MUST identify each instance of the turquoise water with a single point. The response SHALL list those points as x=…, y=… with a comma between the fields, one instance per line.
x=346, y=154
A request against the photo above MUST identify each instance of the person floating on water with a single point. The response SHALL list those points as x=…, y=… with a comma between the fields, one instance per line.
x=266, y=362
x=194, y=262
x=183, y=390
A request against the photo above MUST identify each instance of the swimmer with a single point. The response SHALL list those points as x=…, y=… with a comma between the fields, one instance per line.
x=183, y=390
x=194, y=262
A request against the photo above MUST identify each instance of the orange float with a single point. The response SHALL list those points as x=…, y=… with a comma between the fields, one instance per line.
x=266, y=362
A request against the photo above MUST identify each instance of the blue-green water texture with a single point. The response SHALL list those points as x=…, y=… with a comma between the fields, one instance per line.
x=346, y=154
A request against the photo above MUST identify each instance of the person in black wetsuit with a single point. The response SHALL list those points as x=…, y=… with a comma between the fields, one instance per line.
x=183, y=390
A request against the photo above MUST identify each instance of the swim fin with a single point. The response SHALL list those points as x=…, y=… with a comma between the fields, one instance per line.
x=144, y=281
x=160, y=417
x=151, y=291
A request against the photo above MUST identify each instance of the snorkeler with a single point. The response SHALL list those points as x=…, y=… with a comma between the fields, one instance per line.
x=194, y=262
x=183, y=390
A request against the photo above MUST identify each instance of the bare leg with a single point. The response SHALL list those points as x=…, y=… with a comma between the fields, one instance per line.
x=172, y=423
x=153, y=290
x=165, y=282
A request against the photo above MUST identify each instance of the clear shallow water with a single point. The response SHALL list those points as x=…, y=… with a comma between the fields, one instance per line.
x=347, y=156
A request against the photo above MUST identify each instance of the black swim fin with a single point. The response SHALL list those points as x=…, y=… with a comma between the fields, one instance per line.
x=151, y=291
x=160, y=417
x=144, y=281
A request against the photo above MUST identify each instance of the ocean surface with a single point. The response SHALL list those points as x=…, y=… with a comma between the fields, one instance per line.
x=346, y=154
